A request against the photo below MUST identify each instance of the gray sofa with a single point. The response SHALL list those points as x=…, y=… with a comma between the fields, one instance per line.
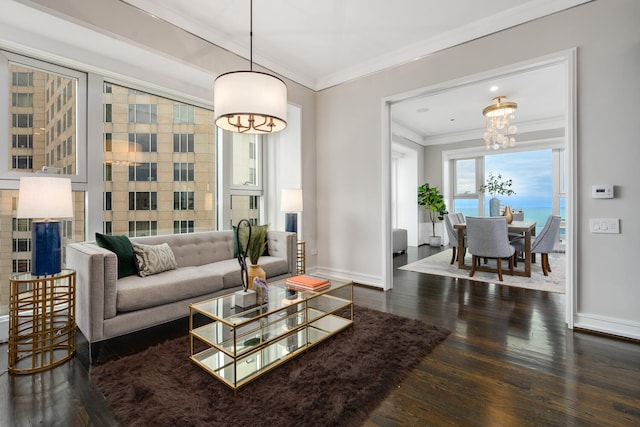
x=107, y=307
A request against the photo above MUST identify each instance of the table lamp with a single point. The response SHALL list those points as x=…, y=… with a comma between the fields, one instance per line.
x=45, y=197
x=291, y=203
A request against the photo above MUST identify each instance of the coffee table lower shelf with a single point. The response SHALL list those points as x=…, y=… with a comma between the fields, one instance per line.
x=236, y=373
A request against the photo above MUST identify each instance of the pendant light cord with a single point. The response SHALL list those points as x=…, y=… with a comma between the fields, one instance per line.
x=251, y=35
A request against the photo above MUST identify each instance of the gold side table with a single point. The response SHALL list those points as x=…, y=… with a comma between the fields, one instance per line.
x=301, y=258
x=42, y=324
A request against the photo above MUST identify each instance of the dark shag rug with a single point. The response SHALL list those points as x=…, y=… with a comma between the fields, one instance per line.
x=338, y=382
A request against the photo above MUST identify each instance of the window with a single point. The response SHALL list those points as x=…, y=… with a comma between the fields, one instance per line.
x=183, y=143
x=108, y=115
x=143, y=172
x=21, y=245
x=183, y=200
x=143, y=143
x=107, y=201
x=108, y=144
x=245, y=162
x=22, y=100
x=22, y=120
x=182, y=227
x=30, y=92
x=21, y=265
x=143, y=201
x=22, y=141
x=183, y=113
x=21, y=78
x=183, y=172
x=151, y=161
x=466, y=182
x=143, y=113
x=245, y=207
x=40, y=118
x=108, y=172
x=143, y=228
x=21, y=224
x=107, y=227
x=22, y=162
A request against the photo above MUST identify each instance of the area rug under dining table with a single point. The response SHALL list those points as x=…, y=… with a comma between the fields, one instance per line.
x=440, y=264
x=338, y=382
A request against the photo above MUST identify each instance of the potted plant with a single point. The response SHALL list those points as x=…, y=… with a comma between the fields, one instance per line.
x=433, y=202
x=495, y=186
x=255, y=249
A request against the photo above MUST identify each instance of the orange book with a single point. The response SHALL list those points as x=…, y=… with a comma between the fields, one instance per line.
x=300, y=288
x=307, y=282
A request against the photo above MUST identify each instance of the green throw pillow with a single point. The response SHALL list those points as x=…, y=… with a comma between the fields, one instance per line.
x=121, y=246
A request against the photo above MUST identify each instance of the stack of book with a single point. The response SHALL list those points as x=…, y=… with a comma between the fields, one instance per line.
x=307, y=283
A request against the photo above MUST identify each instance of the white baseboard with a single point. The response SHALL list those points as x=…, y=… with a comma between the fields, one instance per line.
x=364, y=279
x=4, y=328
x=607, y=325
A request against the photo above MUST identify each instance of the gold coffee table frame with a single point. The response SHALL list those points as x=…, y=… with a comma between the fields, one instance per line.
x=238, y=345
x=42, y=327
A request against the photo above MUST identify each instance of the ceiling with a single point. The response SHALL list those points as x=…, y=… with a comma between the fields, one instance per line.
x=455, y=114
x=322, y=43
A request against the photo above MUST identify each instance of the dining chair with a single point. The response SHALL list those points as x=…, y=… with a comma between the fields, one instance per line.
x=449, y=221
x=543, y=243
x=488, y=237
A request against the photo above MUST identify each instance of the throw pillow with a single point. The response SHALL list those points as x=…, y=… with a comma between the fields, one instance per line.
x=121, y=246
x=153, y=259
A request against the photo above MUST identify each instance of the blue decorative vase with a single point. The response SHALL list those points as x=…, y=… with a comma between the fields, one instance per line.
x=494, y=207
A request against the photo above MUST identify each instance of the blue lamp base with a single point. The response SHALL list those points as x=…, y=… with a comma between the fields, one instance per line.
x=291, y=222
x=46, y=248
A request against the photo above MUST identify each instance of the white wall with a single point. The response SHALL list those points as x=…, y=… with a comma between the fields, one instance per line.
x=350, y=152
x=283, y=157
x=406, y=210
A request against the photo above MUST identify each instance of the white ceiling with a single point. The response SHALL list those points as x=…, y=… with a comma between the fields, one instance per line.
x=456, y=114
x=322, y=43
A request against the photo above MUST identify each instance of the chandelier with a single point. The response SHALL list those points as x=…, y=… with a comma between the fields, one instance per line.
x=500, y=129
x=250, y=101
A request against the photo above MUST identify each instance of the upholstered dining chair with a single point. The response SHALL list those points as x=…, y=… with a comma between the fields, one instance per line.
x=543, y=243
x=488, y=237
x=449, y=221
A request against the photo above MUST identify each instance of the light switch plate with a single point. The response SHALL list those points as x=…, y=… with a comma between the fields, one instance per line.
x=605, y=225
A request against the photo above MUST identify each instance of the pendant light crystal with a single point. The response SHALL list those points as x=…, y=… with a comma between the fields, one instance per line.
x=500, y=129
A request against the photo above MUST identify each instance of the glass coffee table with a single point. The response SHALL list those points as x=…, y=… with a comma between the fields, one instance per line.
x=237, y=345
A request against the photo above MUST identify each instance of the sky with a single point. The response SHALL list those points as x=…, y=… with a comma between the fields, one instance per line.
x=531, y=172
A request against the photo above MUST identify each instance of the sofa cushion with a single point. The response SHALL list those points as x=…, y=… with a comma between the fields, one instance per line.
x=121, y=246
x=195, y=249
x=153, y=259
x=136, y=293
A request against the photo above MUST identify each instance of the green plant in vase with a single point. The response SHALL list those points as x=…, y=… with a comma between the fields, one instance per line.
x=433, y=202
x=255, y=249
x=496, y=186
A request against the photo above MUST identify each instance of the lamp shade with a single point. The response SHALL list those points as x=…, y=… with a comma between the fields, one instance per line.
x=250, y=102
x=291, y=200
x=44, y=197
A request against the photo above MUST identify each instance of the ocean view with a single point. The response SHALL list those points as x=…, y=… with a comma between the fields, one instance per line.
x=538, y=214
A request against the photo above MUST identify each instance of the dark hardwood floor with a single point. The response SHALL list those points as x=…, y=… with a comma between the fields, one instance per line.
x=509, y=361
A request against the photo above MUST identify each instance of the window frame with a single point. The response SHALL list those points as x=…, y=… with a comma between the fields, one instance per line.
x=80, y=108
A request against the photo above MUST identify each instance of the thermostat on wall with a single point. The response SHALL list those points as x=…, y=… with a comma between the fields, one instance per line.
x=602, y=191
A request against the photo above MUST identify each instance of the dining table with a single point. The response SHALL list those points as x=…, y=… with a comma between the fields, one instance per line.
x=526, y=228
